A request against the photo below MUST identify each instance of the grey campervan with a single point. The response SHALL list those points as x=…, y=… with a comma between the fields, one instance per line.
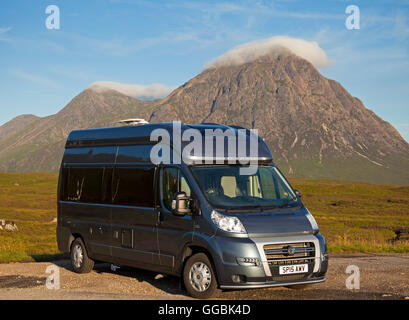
x=205, y=222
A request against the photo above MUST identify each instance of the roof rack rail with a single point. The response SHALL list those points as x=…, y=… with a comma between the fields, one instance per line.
x=210, y=123
x=237, y=127
x=132, y=122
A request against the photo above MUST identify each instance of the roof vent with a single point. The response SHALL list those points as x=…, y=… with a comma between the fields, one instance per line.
x=132, y=122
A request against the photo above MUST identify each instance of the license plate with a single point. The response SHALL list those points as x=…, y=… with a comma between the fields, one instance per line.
x=296, y=268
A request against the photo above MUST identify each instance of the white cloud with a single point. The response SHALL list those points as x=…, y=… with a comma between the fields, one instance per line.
x=309, y=50
x=4, y=31
x=40, y=80
x=153, y=91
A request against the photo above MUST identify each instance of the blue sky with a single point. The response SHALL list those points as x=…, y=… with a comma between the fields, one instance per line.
x=168, y=42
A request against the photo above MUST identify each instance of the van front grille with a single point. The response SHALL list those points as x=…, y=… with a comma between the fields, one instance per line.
x=290, y=254
x=294, y=252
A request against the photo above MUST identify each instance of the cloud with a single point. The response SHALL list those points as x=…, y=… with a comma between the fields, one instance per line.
x=309, y=50
x=4, y=31
x=153, y=91
x=40, y=80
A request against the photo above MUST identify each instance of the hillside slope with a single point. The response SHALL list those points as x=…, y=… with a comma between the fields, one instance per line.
x=39, y=144
x=314, y=127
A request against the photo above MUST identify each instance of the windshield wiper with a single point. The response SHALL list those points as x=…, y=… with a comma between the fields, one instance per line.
x=260, y=207
x=286, y=203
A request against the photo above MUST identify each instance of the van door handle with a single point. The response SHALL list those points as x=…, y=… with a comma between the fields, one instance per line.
x=160, y=218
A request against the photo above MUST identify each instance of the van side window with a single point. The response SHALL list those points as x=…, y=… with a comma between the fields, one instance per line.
x=184, y=186
x=84, y=185
x=133, y=186
x=106, y=196
x=169, y=185
x=173, y=181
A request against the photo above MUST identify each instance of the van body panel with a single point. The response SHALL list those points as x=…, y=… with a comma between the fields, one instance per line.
x=172, y=232
x=276, y=223
x=224, y=252
x=93, y=223
x=64, y=238
x=142, y=135
x=133, y=228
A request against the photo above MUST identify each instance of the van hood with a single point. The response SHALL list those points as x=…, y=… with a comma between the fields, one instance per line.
x=275, y=223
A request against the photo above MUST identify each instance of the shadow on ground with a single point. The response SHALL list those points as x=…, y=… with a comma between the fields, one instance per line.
x=172, y=285
x=50, y=257
x=166, y=283
x=20, y=282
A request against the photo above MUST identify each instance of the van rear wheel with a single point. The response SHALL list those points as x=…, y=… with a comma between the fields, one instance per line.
x=80, y=261
x=199, y=277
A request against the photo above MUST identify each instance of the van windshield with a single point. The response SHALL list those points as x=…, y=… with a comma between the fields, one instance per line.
x=225, y=187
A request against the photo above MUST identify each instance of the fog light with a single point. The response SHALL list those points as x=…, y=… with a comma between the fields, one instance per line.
x=248, y=261
x=237, y=278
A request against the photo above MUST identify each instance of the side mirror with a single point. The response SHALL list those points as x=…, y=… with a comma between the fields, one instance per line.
x=298, y=193
x=179, y=204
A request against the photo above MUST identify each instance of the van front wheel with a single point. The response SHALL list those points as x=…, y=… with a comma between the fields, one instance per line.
x=80, y=261
x=199, y=277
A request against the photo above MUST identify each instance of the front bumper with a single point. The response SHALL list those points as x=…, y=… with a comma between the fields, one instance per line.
x=269, y=284
x=266, y=274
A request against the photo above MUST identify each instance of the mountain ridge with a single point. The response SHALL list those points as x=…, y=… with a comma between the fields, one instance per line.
x=312, y=124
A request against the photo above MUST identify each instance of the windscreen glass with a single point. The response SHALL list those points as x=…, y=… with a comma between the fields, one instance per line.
x=225, y=187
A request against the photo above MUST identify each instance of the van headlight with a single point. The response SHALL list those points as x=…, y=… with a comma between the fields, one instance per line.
x=311, y=219
x=227, y=223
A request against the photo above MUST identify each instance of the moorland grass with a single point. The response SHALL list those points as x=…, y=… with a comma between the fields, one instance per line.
x=354, y=217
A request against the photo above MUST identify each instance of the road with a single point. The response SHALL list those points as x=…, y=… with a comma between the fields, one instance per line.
x=382, y=276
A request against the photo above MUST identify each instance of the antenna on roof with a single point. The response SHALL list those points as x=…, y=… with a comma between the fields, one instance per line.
x=132, y=122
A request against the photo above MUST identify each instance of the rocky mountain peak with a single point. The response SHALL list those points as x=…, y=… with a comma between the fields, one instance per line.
x=314, y=127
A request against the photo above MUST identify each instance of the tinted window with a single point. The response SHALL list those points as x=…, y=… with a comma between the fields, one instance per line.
x=84, y=185
x=107, y=185
x=133, y=186
x=183, y=185
x=64, y=184
x=138, y=153
x=90, y=155
x=172, y=183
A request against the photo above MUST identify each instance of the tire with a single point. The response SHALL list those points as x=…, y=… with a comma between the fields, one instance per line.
x=299, y=286
x=80, y=261
x=199, y=277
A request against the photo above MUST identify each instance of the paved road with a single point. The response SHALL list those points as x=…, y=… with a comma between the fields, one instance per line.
x=382, y=276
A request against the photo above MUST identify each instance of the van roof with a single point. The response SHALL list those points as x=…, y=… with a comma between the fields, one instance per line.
x=141, y=134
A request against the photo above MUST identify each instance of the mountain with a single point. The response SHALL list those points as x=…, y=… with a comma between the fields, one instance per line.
x=314, y=127
x=16, y=124
x=38, y=144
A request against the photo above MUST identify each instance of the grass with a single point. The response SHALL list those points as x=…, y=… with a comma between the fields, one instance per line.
x=29, y=199
x=357, y=217
x=354, y=217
